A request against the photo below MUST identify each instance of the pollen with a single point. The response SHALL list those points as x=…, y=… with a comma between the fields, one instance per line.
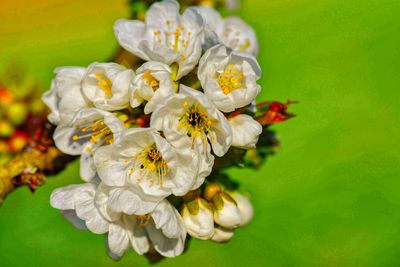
x=195, y=122
x=232, y=78
x=105, y=84
x=151, y=164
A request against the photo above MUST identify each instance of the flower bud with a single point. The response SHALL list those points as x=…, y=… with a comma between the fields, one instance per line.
x=222, y=235
x=226, y=212
x=197, y=215
x=212, y=190
x=245, y=207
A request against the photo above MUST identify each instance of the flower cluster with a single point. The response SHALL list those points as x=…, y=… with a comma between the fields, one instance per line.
x=149, y=137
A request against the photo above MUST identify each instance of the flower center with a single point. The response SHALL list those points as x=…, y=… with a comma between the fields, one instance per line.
x=175, y=37
x=231, y=79
x=98, y=132
x=142, y=220
x=105, y=84
x=151, y=80
x=151, y=164
x=195, y=122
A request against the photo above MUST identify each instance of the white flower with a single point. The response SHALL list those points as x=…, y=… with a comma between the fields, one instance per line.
x=165, y=36
x=229, y=78
x=87, y=131
x=226, y=212
x=198, y=218
x=245, y=131
x=163, y=228
x=144, y=159
x=106, y=85
x=189, y=121
x=231, y=31
x=65, y=97
x=245, y=207
x=239, y=36
x=153, y=83
x=222, y=235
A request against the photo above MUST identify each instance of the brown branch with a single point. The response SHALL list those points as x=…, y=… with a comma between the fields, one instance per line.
x=28, y=168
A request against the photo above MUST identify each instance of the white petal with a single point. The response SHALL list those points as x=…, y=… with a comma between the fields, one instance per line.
x=86, y=210
x=63, y=139
x=187, y=175
x=132, y=201
x=199, y=225
x=163, y=11
x=64, y=198
x=101, y=202
x=119, y=236
x=206, y=163
x=245, y=131
x=222, y=235
x=111, y=171
x=127, y=33
x=87, y=167
x=239, y=36
x=168, y=247
x=64, y=97
x=140, y=241
x=51, y=100
x=245, y=208
x=168, y=220
x=211, y=17
x=228, y=216
x=221, y=136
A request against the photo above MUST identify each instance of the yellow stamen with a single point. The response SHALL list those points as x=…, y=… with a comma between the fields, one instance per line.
x=151, y=164
x=231, y=79
x=195, y=122
x=151, y=80
x=105, y=84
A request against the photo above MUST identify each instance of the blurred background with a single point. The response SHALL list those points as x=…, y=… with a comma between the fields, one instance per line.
x=330, y=197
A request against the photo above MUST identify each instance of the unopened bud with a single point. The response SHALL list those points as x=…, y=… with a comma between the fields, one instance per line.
x=245, y=207
x=226, y=212
x=222, y=235
x=212, y=190
x=198, y=217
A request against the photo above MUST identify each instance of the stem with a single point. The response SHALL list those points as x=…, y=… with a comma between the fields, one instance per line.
x=27, y=168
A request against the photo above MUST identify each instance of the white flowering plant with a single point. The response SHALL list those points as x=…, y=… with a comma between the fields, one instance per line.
x=155, y=135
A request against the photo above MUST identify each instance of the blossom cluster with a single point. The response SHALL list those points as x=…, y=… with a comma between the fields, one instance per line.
x=148, y=137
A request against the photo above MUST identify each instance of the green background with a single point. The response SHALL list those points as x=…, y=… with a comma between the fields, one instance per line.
x=330, y=197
